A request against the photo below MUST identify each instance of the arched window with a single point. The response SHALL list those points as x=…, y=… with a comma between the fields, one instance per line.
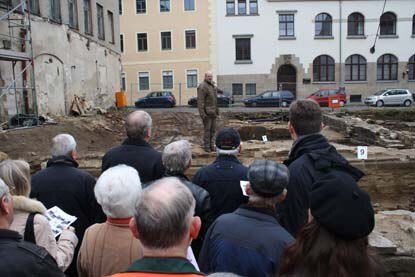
x=388, y=24
x=356, y=24
x=323, y=69
x=411, y=68
x=355, y=68
x=387, y=67
x=323, y=24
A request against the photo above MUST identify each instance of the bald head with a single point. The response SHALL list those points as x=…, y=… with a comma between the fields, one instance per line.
x=164, y=214
x=208, y=76
x=138, y=125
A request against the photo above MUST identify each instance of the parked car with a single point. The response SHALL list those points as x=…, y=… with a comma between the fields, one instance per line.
x=322, y=96
x=390, y=97
x=157, y=99
x=224, y=99
x=269, y=98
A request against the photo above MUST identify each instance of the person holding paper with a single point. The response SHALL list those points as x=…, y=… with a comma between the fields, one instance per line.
x=18, y=257
x=250, y=241
x=29, y=220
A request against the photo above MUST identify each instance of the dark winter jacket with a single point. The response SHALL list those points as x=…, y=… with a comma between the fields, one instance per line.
x=222, y=180
x=248, y=242
x=62, y=184
x=203, y=209
x=207, y=102
x=138, y=154
x=310, y=158
x=20, y=258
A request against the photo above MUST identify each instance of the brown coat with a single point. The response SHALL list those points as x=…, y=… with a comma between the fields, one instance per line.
x=63, y=249
x=207, y=100
x=108, y=248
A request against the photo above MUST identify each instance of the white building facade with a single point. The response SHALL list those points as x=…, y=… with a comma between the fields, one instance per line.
x=306, y=45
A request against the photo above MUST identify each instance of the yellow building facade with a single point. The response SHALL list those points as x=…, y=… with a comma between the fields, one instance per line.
x=166, y=46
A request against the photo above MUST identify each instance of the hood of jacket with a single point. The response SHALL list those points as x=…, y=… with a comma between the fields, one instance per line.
x=323, y=155
x=27, y=204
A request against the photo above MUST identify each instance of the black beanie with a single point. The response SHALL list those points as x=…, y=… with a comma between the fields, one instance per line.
x=267, y=178
x=341, y=206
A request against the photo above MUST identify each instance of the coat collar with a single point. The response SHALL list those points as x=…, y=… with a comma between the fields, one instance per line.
x=26, y=204
x=181, y=176
x=263, y=214
x=230, y=158
x=62, y=160
x=6, y=234
x=173, y=265
x=136, y=142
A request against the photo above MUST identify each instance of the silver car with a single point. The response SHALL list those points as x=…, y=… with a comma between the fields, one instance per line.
x=390, y=97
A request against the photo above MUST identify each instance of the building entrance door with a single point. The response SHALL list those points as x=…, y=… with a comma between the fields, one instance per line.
x=287, y=78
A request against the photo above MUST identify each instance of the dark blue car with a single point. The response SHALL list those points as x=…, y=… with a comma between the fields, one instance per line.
x=157, y=99
x=271, y=98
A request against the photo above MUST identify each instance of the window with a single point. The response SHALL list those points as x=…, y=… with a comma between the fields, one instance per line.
x=55, y=10
x=189, y=5
x=323, y=25
x=122, y=43
x=140, y=6
x=190, y=39
x=355, y=68
x=388, y=24
x=111, y=23
x=241, y=7
x=250, y=89
x=191, y=78
x=164, y=5
x=123, y=82
x=230, y=7
x=87, y=17
x=100, y=22
x=120, y=7
x=253, y=7
x=142, y=42
x=243, y=49
x=34, y=7
x=411, y=68
x=286, y=25
x=356, y=25
x=323, y=69
x=167, y=79
x=143, y=81
x=165, y=40
x=413, y=25
x=387, y=67
x=237, y=89
x=73, y=14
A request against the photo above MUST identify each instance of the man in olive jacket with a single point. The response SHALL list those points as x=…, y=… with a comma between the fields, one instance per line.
x=208, y=110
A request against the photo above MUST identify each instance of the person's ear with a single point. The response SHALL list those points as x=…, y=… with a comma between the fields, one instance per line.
x=291, y=130
x=248, y=189
x=189, y=164
x=149, y=133
x=282, y=196
x=74, y=154
x=5, y=205
x=133, y=228
x=195, y=226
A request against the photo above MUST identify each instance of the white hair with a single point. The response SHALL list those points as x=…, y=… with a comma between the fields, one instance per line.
x=117, y=191
x=232, y=152
x=4, y=189
x=62, y=145
x=176, y=156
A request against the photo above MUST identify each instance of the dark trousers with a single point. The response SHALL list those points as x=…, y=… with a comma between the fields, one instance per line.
x=209, y=125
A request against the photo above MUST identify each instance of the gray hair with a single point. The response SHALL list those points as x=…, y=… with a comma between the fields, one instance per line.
x=233, y=152
x=176, y=156
x=137, y=124
x=117, y=191
x=164, y=213
x=63, y=145
x=4, y=189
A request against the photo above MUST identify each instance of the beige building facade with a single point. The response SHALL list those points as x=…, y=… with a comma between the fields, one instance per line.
x=166, y=46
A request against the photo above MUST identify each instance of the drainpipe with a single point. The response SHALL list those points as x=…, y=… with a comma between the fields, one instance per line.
x=341, y=84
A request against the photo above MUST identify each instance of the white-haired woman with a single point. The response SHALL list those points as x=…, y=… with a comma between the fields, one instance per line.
x=29, y=220
x=110, y=247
